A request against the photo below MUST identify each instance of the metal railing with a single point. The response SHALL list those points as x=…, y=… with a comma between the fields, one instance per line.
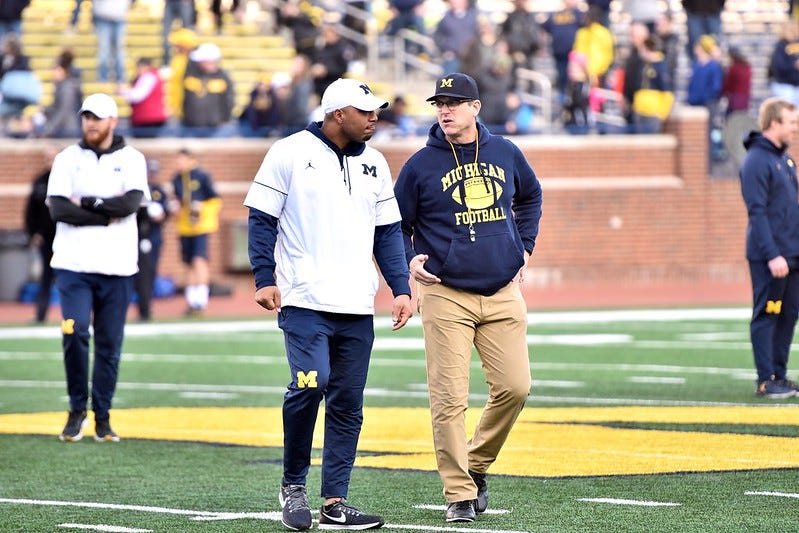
x=404, y=60
x=535, y=89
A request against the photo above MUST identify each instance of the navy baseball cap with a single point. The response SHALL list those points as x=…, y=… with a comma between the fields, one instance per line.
x=456, y=85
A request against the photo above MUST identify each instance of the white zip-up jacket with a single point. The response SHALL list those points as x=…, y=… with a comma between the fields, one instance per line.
x=327, y=208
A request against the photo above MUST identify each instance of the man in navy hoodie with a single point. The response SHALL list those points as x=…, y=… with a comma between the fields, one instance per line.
x=769, y=188
x=470, y=206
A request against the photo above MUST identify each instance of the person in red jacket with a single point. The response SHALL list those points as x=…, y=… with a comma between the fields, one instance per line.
x=146, y=96
x=737, y=86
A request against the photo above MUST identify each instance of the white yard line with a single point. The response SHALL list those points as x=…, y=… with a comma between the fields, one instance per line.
x=617, y=501
x=110, y=529
x=778, y=494
x=219, y=515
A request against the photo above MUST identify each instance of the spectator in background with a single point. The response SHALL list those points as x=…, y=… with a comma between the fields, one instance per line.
x=394, y=121
x=110, y=25
x=61, y=118
x=602, y=9
x=520, y=115
x=704, y=89
x=643, y=11
x=183, y=10
x=562, y=26
x=454, y=32
x=577, y=116
x=669, y=43
x=73, y=18
x=150, y=219
x=300, y=18
x=266, y=112
x=654, y=98
x=41, y=232
x=302, y=94
x=596, y=43
x=11, y=16
x=331, y=58
x=184, y=42
x=634, y=65
x=19, y=85
x=703, y=17
x=208, y=94
x=481, y=48
x=784, y=64
x=494, y=85
x=148, y=112
x=737, y=86
x=407, y=15
x=523, y=35
x=216, y=11
x=197, y=204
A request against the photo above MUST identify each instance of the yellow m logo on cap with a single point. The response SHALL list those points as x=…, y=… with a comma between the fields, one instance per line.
x=773, y=307
x=446, y=82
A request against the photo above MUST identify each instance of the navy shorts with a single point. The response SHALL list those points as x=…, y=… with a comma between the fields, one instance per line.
x=191, y=247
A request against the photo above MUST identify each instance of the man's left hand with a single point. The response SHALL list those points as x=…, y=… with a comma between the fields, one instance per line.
x=402, y=311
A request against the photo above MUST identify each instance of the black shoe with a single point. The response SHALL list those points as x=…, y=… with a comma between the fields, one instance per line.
x=294, y=502
x=73, y=430
x=461, y=511
x=103, y=431
x=342, y=515
x=481, y=503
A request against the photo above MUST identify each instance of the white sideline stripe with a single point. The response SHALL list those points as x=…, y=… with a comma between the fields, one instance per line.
x=657, y=380
x=194, y=395
x=111, y=529
x=617, y=501
x=431, y=507
x=779, y=494
x=264, y=325
x=212, y=515
x=386, y=393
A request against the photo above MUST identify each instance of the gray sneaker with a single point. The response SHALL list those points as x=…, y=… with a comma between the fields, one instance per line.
x=296, y=512
x=481, y=502
x=774, y=389
x=73, y=430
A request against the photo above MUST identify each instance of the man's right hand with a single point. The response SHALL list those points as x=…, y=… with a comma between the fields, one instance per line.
x=268, y=298
x=418, y=272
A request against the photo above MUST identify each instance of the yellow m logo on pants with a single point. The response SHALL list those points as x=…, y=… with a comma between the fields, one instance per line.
x=773, y=307
x=306, y=380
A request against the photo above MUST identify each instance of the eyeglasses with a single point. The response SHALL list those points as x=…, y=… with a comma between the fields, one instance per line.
x=450, y=104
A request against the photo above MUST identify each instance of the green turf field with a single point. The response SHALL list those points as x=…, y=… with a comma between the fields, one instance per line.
x=638, y=421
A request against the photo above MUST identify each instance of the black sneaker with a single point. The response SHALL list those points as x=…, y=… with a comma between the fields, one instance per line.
x=73, y=430
x=774, y=389
x=103, y=431
x=481, y=503
x=461, y=511
x=294, y=502
x=342, y=515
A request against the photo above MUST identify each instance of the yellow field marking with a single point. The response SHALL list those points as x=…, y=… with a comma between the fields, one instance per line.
x=545, y=442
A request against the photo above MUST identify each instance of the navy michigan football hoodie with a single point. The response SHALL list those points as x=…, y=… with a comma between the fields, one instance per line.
x=473, y=209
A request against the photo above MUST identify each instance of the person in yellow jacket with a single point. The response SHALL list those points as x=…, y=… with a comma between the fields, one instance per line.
x=184, y=41
x=198, y=205
x=596, y=43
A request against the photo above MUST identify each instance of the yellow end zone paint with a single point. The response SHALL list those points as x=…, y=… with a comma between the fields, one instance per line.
x=546, y=442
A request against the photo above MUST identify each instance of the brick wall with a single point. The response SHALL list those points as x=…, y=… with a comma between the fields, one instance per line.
x=617, y=209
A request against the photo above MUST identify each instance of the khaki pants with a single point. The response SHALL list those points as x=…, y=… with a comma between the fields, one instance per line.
x=454, y=321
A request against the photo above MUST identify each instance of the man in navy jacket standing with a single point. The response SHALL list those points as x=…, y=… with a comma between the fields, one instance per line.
x=769, y=188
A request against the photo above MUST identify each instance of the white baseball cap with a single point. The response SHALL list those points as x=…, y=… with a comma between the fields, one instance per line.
x=345, y=92
x=100, y=105
x=206, y=52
